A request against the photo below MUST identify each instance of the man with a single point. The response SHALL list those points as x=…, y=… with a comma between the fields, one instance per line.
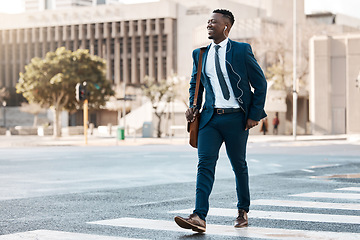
x=229, y=71
x=276, y=123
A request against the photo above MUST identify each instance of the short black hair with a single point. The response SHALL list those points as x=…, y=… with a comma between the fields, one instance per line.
x=227, y=14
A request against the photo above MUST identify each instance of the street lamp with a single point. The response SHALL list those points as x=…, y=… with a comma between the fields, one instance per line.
x=295, y=94
x=4, y=112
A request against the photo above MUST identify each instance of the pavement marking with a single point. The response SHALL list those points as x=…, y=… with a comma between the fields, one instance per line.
x=326, y=166
x=306, y=204
x=161, y=202
x=307, y=170
x=57, y=235
x=289, y=216
x=222, y=230
x=355, y=196
x=253, y=160
x=347, y=175
x=156, y=156
x=355, y=189
x=274, y=165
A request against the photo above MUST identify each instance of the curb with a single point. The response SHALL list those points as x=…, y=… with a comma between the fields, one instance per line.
x=37, y=141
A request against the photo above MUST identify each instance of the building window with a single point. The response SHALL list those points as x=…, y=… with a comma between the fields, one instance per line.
x=164, y=67
x=138, y=71
x=96, y=47
x=147, y=66
x=155, y=42
x=71, y=45
x=111, y=51
x=121, y=70
x=146, y=44
x=112, y=62
x=164, y=42
x=87, y=44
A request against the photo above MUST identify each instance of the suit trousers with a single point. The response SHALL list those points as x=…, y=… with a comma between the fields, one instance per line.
x=228, y=128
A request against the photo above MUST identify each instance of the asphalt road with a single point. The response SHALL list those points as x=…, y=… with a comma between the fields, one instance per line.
x=300, y=190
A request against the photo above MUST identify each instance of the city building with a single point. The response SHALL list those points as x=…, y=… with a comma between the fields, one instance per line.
x=335, y=84
x=41, y=5
x=134, y=45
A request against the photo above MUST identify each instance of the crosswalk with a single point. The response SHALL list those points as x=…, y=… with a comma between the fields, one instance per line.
x=221, y=230
x=290, y=216
x=355, y=189
x=305, y=207
x=355, y=196
x=58, y=235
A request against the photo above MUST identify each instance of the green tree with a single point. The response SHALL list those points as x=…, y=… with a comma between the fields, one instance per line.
x=277, y=75
x=160, y=94
x=51, y=81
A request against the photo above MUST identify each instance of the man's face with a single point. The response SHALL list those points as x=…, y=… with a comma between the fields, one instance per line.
x=216, y=26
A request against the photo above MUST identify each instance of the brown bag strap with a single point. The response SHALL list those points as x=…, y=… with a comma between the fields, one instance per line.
x=198, y=75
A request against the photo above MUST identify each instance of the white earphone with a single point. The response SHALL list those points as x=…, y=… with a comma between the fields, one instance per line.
x=225, y=28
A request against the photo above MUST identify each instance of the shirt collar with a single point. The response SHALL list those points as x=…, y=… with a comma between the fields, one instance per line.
x=221, y=44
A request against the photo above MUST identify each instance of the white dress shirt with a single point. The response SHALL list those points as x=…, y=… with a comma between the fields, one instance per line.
x=210, y=71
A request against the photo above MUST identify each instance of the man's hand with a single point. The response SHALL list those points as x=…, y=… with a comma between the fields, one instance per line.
x=250, y=124
x=191, y=114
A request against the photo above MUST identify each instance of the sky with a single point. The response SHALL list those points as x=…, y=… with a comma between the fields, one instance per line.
x=348, y=7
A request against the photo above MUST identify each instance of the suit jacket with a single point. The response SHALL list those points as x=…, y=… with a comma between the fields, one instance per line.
x=244, y=73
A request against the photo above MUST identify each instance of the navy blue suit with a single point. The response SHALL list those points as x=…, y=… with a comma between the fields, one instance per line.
x=244, y=73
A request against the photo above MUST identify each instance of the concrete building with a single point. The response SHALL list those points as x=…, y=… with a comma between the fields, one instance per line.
x=334, y=84
x=329, y=18
x=136, y=39
x=134, y=45
x=41, y=5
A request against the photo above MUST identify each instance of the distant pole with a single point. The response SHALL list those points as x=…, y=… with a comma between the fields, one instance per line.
x=124, y=106
x=86, y=111
x=4, y=112
x=295, y=94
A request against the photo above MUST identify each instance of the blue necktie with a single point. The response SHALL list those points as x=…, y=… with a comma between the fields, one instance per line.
x=220, y=75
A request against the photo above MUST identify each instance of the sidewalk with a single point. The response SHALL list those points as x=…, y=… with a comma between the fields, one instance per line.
x=79, y=140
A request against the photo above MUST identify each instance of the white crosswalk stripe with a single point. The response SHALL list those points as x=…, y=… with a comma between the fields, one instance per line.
x=307, y=170
x=353, y=196
x=355, y=189
x=303, y=216
x=249, y=232
x=290, y=216
x=58, y=235
x=305, y=204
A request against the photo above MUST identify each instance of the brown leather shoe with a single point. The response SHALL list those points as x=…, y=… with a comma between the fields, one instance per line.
x=242, y=219
x=193, y=222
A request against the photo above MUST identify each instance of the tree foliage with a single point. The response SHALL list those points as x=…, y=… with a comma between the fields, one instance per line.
x=277, y=74
x=51, y=81
x=276, y=47
x=159, y=93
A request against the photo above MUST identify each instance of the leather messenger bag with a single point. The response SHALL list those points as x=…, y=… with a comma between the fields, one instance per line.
x=193, y=127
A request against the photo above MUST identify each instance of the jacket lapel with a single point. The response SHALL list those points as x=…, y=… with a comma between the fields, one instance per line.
x=206, y=79
x=204, y=59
